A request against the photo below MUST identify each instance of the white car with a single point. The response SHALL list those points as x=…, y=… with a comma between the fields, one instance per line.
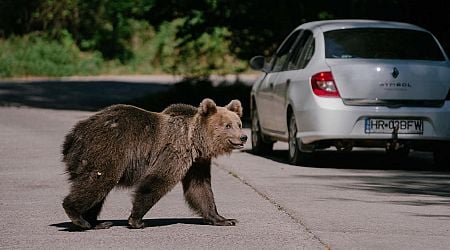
x=353, y=83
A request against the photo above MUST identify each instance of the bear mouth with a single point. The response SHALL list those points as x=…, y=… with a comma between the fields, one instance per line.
x=239, y=145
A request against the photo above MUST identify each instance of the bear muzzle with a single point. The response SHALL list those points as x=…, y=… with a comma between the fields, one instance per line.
x=239, y=145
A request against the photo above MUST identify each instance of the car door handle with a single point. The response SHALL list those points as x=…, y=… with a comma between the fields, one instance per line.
x=288, y=81
x=271, y=85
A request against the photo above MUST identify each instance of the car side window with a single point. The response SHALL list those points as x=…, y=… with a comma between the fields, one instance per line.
x=302, y=51
x=297, y=50
x=307, y=53
x=283, y=52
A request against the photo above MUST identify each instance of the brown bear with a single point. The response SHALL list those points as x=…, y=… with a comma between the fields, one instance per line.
x=126, y=146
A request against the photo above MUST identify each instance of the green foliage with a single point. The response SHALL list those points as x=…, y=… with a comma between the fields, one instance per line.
x=141, y=47
x=257, y=27
x=161, y=51
x=103, y=25
x=195, y=38
x=35, y=54
x=208, y=53
x=153, y=52
x=165, y=44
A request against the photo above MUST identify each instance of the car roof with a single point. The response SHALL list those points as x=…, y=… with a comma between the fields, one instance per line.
x=356, y=23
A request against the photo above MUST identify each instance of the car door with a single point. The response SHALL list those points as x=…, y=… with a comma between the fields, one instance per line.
x=264, y=101
x=284, y=79
x=265, y=97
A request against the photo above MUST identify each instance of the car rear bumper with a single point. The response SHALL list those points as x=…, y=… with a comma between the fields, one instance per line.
x=330, y=119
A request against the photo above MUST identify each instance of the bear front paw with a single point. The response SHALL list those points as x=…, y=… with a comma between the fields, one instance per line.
x=225, y=222
x=81, y=224
x=135, y=223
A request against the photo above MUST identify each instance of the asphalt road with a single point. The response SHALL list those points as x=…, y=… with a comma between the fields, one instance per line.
x=356, y=200
x=33, y=184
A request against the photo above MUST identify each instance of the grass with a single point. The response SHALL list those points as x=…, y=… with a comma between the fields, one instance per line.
x=35, y=55
x=153, y=51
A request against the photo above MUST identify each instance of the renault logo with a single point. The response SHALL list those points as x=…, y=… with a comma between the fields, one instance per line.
x=395, y=72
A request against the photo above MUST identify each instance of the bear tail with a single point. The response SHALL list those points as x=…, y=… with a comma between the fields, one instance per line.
x=68, y=143
x=67, y=151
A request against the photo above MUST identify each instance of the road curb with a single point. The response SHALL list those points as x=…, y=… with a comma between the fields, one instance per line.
x=268, y=198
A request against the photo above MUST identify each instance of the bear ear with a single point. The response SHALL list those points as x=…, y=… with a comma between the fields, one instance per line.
x=236, y=107
x=207, y=107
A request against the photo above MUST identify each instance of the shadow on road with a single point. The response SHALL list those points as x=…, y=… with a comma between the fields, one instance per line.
x=378, y=172
x=417, y=188
x=95, y=95
x=160, y=222
x=74, y=95
x=364, y=160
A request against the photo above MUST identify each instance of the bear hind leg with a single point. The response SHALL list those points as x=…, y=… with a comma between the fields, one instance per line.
x=84, y=203
x=74, y=215
x=92, y=214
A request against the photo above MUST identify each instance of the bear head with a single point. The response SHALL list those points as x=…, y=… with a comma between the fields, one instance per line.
x=223, y=126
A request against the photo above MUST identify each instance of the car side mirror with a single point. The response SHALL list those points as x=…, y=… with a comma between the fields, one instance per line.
x=258, y=63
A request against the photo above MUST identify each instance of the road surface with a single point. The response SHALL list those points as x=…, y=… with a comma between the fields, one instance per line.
x=33, y=185
x=356, y=200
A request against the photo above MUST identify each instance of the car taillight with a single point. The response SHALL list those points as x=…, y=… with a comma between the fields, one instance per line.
x=323, y=85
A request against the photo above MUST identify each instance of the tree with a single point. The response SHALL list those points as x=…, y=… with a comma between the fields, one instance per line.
x=252, y=27
x=257, y=27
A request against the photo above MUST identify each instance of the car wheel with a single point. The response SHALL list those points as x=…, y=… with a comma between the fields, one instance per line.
x=259, y=145
x=296, y=156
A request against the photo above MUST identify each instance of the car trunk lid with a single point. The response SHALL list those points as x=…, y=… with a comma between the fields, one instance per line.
x=366, y=82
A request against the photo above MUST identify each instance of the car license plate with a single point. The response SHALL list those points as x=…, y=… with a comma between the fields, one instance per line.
x=386, y=126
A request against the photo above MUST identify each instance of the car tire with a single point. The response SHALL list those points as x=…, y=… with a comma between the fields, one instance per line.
x=259, y=143
x=296, y=156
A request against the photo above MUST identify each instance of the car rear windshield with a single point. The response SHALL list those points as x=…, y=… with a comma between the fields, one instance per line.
x=382, y=43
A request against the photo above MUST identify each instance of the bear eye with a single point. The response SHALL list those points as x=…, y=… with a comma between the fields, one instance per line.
x=228, y=126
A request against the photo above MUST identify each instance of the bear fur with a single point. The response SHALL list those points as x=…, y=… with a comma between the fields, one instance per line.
x=151, y=152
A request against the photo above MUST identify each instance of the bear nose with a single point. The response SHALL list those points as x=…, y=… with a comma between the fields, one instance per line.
x=243, y=138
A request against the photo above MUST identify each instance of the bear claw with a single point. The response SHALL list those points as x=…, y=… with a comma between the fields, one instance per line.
x=135, y=224
x=104, y=225
x=225, y=222
x=81, y=223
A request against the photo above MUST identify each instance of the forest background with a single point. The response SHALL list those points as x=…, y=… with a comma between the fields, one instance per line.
x=194, y=38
